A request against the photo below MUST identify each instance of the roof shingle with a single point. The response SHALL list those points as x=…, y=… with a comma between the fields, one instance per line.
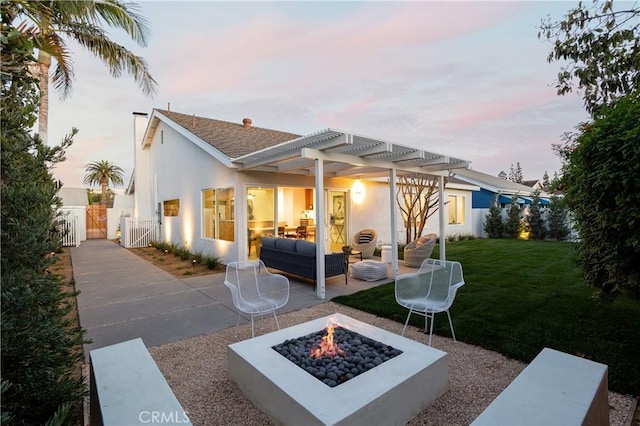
x=232, y=139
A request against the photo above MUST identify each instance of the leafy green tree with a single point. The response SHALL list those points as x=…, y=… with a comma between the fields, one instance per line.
x=513, y=225
x=535, y=221
x=41, y=343
x=602, y=178
x=493, y=222
x=101, y=173
x=557, y=219
x=600, y=43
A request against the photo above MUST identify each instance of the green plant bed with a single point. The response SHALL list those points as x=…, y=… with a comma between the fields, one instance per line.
x=522, y=296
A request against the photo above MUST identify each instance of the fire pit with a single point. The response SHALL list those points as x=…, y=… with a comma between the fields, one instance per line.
x=335, y=354
x=390, y=393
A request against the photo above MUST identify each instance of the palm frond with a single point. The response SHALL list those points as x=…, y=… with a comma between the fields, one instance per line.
x=125, y=16
x=115, y=56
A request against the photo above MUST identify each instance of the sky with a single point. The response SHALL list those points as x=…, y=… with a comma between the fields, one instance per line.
x=465, y=79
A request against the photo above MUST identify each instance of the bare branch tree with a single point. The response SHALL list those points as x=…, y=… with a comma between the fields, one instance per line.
x=418, y=199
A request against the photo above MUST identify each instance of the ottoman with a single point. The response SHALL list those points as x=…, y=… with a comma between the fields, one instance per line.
x=369, y=270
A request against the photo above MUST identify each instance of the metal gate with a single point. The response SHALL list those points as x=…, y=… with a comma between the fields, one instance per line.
x=96, y=221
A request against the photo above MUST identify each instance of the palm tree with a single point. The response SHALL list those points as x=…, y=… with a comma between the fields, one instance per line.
x=101, y=172
x=48, y=23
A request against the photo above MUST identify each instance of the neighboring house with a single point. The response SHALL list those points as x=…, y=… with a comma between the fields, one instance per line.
x=74, y=207
x=490, y=187
x=534, y=183
x=219, y=187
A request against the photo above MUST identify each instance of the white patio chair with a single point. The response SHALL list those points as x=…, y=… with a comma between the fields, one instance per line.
x=430, y=290
x=255, y=290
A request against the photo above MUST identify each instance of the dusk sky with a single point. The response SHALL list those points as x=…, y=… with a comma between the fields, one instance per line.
x=466, y=79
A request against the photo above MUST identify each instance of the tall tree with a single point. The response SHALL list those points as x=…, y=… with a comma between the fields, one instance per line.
x=101, y=173
x=54, y=22
x=546, y=183
x=600, y=42
x=515, y=173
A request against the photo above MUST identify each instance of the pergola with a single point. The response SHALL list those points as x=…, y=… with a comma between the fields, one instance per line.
x=335, y=153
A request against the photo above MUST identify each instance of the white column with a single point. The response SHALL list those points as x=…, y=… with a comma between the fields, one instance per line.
x=443, y=226
x=394, y=225
x=320, y=228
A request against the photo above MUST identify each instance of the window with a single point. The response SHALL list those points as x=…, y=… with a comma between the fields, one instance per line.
x=208, y=213
x=456, y=209
x=218, y=214
x=171, y=207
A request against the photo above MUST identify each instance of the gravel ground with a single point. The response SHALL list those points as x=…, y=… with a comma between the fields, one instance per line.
x=196, y=371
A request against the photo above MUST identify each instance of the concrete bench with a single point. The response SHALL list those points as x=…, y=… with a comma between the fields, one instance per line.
x=556, y=388
x=128, y=388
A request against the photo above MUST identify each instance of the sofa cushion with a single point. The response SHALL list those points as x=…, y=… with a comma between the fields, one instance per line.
x=365, y=237
x=286, y=244
x=305, y=247
x=269, y=242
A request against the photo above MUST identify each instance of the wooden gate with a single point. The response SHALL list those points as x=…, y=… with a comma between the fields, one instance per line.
x=96, y=221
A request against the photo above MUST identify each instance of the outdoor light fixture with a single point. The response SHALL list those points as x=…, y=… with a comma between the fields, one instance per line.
x=358, y=192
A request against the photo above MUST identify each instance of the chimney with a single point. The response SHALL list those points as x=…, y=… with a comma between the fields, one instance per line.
x=246, y=123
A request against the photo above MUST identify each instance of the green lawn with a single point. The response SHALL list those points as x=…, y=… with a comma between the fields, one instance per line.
x=522, y=296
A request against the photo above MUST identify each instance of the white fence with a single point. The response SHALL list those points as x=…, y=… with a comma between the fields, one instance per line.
x=138, y=232
x=70, y=228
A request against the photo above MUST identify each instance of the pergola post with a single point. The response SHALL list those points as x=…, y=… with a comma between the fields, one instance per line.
x=394, y=223
x=320, y=228
x=442, y=218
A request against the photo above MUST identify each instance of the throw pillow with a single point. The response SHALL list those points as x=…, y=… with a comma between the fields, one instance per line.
x=365, y=237
x=422, y=241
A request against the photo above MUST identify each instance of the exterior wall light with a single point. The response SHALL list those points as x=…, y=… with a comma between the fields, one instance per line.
x=358, y=192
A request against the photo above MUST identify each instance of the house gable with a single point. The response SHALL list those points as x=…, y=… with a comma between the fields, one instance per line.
x=232, y=140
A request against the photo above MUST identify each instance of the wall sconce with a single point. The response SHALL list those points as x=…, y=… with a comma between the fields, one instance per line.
x=358, y=192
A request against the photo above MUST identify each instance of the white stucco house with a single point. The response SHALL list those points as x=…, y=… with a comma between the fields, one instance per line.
x=219, y=187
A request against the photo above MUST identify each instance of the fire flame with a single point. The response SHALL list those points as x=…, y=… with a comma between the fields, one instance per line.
x=327, y=347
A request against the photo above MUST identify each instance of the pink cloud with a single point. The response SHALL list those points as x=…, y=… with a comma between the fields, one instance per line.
x=350, y=45
x=500, y=108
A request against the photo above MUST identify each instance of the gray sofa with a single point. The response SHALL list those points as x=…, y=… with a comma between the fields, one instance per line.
x=298, y=257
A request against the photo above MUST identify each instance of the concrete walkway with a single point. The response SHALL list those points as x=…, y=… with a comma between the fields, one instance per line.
x=122, y=296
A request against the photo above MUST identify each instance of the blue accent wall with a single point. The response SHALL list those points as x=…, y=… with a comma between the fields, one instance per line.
x=482, y=199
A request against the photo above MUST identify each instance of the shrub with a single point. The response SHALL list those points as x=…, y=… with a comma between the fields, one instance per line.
x=41, y=343
x=493, y=222
x=212, y=262
x=535, y=222
x=557, y=219
x=603, y=192
x=514, y=224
